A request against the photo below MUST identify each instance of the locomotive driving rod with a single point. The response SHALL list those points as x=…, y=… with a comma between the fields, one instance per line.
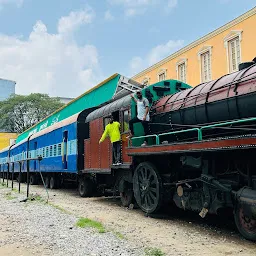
x=244, y=197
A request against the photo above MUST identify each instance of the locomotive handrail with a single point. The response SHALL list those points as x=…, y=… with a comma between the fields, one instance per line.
x=227, y=123
x=148, y=136
x=199, y=132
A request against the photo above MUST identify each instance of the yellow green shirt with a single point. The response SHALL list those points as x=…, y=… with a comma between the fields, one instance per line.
x=113, y=131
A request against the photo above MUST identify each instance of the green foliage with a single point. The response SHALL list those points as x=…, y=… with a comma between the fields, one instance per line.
x=84, y=222
x=153, y=252
x=59, y=208
x=19, y=112
x=35, y=197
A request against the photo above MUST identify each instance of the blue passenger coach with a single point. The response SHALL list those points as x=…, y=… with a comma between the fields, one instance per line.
x=59, y=147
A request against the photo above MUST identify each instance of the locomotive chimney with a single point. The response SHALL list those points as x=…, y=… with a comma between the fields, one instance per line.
x=244, y=65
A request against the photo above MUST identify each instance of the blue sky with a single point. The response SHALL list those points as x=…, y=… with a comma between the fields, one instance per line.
x=63, y=47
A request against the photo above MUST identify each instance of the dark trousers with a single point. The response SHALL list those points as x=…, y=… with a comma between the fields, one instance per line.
x=116, y=149
x=145, y=125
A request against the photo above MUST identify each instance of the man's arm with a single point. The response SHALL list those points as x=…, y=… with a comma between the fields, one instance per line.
x=146, y=108
x=132, y=96
x=146, y=112
x=104, y=135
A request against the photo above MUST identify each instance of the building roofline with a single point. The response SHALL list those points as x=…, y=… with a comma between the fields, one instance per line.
x=8, y=80
x=208, y=36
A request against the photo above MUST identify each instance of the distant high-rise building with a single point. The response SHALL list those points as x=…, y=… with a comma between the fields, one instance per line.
x=7, y=88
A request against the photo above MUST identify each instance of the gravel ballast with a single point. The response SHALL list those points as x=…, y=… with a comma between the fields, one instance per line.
x=44, y=230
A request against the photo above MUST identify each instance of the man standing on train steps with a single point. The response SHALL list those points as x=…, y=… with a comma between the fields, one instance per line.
x=113, y=131
x=142, y=115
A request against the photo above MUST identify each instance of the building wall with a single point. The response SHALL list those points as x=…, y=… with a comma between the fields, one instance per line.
x=6, y=139
x=243, y=27
x=7, y=88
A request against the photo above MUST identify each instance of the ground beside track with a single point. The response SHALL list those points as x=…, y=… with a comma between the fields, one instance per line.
x=175, y=233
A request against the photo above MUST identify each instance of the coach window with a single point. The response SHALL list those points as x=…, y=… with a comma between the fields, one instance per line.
x=126, y=118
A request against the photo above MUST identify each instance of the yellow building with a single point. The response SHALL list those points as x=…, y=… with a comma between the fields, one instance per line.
x=210, y=57
x=7, y=139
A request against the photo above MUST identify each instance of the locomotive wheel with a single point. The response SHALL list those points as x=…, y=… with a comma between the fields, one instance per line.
x=147, y=187
x=33, y=180
x=85, y=187
x=245, y=225
x=47, y=181
x=53, y=182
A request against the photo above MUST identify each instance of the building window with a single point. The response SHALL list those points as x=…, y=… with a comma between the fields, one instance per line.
x=232, y=43
x=182, y=72
x=161, y=75
x=204, y=58
x=205, y=67
x=145, y=82
x=234, y=54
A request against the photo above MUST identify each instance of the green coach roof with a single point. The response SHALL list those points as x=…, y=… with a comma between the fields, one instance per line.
x=114, y=86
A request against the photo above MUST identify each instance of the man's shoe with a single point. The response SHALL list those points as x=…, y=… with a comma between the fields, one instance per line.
x=144, y=144
x=118, y=163
x=114, y=164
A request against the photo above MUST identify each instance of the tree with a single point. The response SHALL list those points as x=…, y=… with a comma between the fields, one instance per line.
x=19, y=112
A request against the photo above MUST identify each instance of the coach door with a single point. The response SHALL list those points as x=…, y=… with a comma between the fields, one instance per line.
x=35, y=155
x=65, y=150
x=125, y=117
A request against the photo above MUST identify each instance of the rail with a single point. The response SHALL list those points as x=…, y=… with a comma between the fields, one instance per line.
x=198, y=130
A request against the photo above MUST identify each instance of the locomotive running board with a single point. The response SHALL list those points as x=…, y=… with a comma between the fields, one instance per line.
x=204, y=145
x=100, y=171
x=125, y=166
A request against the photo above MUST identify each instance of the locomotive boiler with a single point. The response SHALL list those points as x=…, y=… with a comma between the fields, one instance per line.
x=230, y=97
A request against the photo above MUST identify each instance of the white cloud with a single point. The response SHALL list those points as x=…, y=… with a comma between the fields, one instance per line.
x=75, y=20
x=18, y=3
x=172, y=3
x=50, y=63
x=108, y=16
x=156, y=54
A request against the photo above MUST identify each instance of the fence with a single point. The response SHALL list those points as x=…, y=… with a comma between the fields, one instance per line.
x=20, y=162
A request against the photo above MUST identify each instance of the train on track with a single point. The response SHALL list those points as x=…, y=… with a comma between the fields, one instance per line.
x=200, y=153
